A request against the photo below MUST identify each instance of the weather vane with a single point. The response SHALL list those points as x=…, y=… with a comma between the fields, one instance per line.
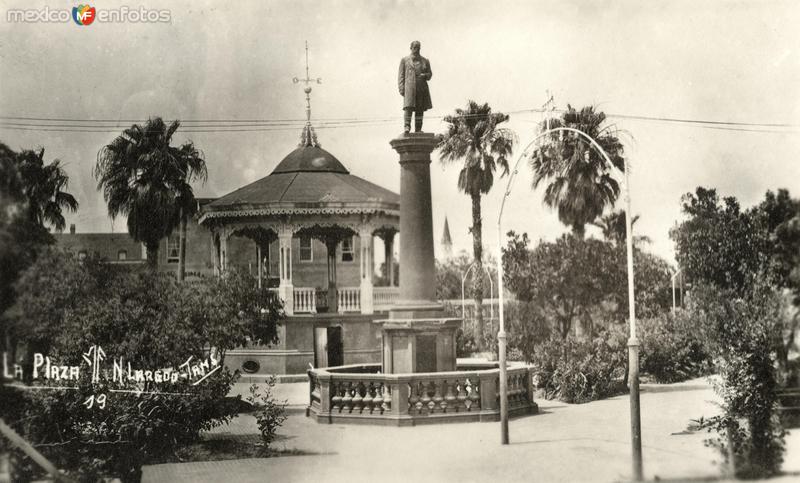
x=308, y=80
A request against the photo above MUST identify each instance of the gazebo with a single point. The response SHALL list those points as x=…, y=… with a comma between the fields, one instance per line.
x=318, y=222
x=311, y=195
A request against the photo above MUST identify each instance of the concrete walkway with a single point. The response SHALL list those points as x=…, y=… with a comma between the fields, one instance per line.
x=588, y=442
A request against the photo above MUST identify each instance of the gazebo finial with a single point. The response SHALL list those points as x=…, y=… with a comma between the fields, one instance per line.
x=308, y=137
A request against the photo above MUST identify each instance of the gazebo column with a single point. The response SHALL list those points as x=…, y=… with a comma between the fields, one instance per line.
x=389, y=256
x=333, y=296
x=286, y=289
x=365, y=238
x=258, y=262
x=223, y=251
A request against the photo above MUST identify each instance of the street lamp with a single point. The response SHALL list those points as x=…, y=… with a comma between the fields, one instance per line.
x=633, y=342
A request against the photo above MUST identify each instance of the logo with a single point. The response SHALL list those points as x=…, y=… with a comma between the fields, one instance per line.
x=83, y=14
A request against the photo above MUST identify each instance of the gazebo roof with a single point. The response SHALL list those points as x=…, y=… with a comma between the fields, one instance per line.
x=309, y=180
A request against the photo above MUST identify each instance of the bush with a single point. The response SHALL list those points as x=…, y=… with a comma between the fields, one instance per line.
x=527, y=329
x=465, y=344
x=150, y=321
x=579, y=371
x=671, y=348
x=270, y=414
x=744, y=334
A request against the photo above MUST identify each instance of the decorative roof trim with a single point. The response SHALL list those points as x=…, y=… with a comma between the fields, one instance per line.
x=293, y=211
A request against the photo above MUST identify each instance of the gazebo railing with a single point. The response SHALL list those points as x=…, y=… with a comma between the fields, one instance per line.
x=349, y=299
x=308, y=300
x=305, y=300
x=350, y=394
x=384, y=297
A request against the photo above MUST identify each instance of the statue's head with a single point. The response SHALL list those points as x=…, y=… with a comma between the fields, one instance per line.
x=415, y=45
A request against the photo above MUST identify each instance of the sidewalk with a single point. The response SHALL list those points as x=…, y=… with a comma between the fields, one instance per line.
x=588, y=442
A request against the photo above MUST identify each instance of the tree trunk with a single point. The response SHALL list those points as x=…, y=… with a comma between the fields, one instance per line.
x=477, y=252
x=182, y=249
x=579, y=231
x=152, y=255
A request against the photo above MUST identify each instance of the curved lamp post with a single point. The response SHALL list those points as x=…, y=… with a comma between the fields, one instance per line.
x=633, y=342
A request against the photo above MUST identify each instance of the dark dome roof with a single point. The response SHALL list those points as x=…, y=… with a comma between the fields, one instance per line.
x=310, y=159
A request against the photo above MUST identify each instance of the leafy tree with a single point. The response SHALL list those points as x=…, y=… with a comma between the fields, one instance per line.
x=584, y=280
x=578, y=182
x=450, y=273
x=151, y=321
x=32, y=195
x=474, y=138
x=569, y=277
x=719, y=243
x=146, y=179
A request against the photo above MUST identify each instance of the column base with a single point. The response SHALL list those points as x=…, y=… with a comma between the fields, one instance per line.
x=413, y=345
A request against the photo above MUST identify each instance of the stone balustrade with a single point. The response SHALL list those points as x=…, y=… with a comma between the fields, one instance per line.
x=361, y=394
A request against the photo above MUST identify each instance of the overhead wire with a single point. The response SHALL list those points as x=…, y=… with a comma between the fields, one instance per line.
x=53, y=124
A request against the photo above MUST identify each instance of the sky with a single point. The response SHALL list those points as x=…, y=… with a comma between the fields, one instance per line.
x=731, y=61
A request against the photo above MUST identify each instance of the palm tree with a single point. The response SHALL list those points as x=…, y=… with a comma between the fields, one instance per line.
x=147, y=180
x=579, y=185
x=613, y=228
x=44, y=187
x=475, y=138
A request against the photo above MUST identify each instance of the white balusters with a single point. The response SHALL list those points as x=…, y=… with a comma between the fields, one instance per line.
x=305, y=300
x=384, y=297
x=349, y=299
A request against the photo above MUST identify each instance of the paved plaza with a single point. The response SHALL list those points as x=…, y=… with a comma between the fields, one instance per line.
x=564, y=442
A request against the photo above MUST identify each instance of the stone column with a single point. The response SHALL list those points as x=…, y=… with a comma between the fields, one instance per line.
x=418, y=279
x=418, y=336
x=367, y=267
x=285, y=289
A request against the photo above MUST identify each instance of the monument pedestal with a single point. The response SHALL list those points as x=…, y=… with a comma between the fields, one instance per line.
x=418, y=336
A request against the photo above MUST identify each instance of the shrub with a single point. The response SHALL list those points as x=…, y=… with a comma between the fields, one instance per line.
x=465, y=344
x=672, y=349
x=579, y=371
x=744, y=333
x=270, y=414
x=527, y=329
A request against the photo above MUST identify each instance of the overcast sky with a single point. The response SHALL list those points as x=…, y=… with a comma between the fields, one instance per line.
x=718, y=60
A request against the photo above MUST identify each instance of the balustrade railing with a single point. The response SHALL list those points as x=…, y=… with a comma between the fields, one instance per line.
x=339, y=395
x=384, y=297
x=305, y=300
x=349, y=299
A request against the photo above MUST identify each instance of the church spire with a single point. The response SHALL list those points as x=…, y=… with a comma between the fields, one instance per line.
x=447, y=242
x=308, y=137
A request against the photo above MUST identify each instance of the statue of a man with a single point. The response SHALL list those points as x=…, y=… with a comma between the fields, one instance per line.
x=412, y=79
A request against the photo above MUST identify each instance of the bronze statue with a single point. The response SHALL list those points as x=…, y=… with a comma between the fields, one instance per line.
x=412, y=80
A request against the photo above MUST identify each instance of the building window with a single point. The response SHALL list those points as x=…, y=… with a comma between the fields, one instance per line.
x=347, y=249
x=82, y=255
x=173, y=248
x=122, y=255
x=306, y=249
